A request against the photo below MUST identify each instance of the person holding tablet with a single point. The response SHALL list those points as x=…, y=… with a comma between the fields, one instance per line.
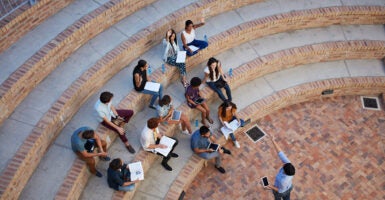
x=167, y=113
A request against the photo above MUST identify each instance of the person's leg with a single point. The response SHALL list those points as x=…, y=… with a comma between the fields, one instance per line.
x=188, y=53
x=127, y=188
x=232, y=136
x=89, y=161
x=211, y=155
x=173, y=146
x=207, y=109
x=104, y=145
x=277, y=196
x=228, y=92
x=186, y=122
x=286, y=195
x=126, y=114
x=200, y=44
x=217, y=90
x=122, y=137
x=203, y=114
x=154, y=95
x=242, y=121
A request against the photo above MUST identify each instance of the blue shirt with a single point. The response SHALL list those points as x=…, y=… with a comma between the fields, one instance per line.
x=282, y=181
x=197, y=141
x=77, y=143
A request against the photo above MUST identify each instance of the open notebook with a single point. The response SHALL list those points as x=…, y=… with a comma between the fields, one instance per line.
x=169, y=142
x=136, y=171
x=230, y=128
x=152, y=86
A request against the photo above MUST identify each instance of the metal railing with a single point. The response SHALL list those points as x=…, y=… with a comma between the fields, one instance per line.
x=8, y=6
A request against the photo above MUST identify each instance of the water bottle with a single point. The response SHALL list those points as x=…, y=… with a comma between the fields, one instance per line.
x=163, y=68
x=231, y=72
x=196, y=123
x=149, y=70
x=205, y=37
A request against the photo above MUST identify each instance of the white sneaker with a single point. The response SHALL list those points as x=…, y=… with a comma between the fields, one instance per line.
x=237, y=144
x=185, y=132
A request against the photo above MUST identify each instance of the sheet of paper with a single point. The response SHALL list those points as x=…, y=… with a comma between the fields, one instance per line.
x=193, y=48
x=169, y=142
x=181, y=57
x=152, y=86
x=136, y=170
x=230, y=128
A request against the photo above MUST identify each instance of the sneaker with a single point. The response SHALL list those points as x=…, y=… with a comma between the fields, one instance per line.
x=220, y=169
x=236, y=143
x=174, y=155
x=185, y=132
x=152, y=107
x=166, y=166
x=98, y=174
x=226, y=151
x=105, y=158
x=130, y=149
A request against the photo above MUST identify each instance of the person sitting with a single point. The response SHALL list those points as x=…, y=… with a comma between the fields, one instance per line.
x=188, y=38
x=195, y=100
x=140, y=79
x=109, y=117
x=165, y=112
x=171, y=53
x=227, y=112
x=200, y=141
x=150, y=138
x=118, y=176
x=216, y=79
x=83, y=143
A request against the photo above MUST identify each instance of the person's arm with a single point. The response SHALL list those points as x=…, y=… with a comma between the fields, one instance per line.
x=138, y=80
x=198, y=151
x=277, y=148
x=127, y=183
x=200, y=24
x=185, y=43
x=220, y=116
x=236, y=116
x=205, y=78
x=273, y=188
x=98, y=143
x=190, y=100
x=89, y=155
x=220, y=70
x=114, y=110
x=117, y=128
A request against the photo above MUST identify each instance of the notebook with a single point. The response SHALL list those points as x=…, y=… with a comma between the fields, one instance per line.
x=193, y=48
x=230, y=128
x=152, y=86
x=169, y=142
x=181, y=57
x=136, y=171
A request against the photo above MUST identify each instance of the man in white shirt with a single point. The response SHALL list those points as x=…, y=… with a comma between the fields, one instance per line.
x=150, y=138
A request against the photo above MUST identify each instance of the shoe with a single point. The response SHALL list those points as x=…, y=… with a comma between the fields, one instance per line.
x=152, y=107
x=166, y=166
x=185, y=132
x=130, y=149
x=226, y=151
x=98, y=174
x=174, y=155
x=246, y=122
x=105, y=158
x=220, y=169
x=236, y=143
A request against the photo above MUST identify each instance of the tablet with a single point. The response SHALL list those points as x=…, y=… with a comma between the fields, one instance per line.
x=213, y=146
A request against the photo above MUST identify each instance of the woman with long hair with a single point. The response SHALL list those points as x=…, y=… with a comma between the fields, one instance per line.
x=227, y=112
x=216, y=79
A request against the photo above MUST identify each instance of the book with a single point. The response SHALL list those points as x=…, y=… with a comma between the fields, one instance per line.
x=213, y=146
x=136, y=171
x=176, y=115
x=169, y=142
x=230, y=128
x=181, y=57
x=152, y=86
x=193, y=48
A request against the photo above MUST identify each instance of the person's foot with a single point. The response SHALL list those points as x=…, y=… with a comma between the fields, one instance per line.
x=130, y=149
x=220, y=169
x=152, y=107
x=226, y=151
x=210, y=120
x=166, y=166
x=246, y=122
x=174, y=155
x=185, y=132
x=98, y=174
x=236, y=143
x=105, y=158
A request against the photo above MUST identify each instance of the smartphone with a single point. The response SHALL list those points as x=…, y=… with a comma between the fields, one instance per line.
x=264, y=181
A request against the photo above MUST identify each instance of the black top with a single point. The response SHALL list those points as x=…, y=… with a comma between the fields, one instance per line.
x=115, y=177
x=142, y=74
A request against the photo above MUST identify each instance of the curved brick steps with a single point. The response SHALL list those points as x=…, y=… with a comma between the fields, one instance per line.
x=278, y=100
x=25, y=18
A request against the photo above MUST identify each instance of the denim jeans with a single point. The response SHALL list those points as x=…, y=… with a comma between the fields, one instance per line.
x=232, y=136
x=211, y=155
x=155, y=95
x=127, y=188
x=198, y=43
x=284, y=195
x=219, y=91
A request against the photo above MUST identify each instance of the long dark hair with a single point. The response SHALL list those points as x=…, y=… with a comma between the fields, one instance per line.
x=169, y=38
x=226, y=104
x=141, y=63
x=211, y=61
x=165, y=100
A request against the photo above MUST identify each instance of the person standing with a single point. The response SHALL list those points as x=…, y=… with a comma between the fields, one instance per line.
x=188, y=38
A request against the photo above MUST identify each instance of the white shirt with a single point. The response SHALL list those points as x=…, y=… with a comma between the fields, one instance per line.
x=167, y=50
x=189, y=37
x=103, y=110
x=147, y=138
x=215, y=77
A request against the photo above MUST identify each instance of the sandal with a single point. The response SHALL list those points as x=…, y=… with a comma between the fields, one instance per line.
x=210, y=120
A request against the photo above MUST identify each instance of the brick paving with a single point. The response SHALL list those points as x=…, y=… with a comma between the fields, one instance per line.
x=336, y=146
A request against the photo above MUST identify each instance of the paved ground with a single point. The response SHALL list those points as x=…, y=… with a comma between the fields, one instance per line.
x=336, y=146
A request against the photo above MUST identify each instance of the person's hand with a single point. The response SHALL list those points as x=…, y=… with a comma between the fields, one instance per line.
x=190, y=50
x=103, y=154
x=137, y=180
x=162, y=146
x=169, y=33
x=220, y=151
x=203, y=20
x=120, y=130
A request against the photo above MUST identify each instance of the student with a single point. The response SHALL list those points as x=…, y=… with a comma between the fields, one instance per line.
x=140, y=79
x=171, y=53
x=165, y=111
x=188, y=37
x=200, y=140
x=283, y=181
x=118, y=176
x=150, y=138
x=195, y=100
x=227, y=112
x=79, y=140
x=107, y=114
x=216, y=79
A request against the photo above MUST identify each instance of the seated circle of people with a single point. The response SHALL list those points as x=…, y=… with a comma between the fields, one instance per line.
x=203, y=144
x=171, y=53
x=113, y=119
x=151, y=140
x=143, y=84
x=195, y=100
x=283, y=181
x=83, y=142
x=216, y=79
x=190, y=44
x=169, y=115
x=118, y=176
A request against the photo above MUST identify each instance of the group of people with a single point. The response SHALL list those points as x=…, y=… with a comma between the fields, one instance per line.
x=84, y=139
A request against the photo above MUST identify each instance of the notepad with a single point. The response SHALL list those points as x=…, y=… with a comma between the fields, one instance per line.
x=136, y=171
x=230, y=128
x=169, y=142
x=193, y=48
x=176, y=115
x=181, y=57
x=151, y=86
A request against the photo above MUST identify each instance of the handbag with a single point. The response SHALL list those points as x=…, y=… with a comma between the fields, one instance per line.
x=118, y=121
x=220, y=83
